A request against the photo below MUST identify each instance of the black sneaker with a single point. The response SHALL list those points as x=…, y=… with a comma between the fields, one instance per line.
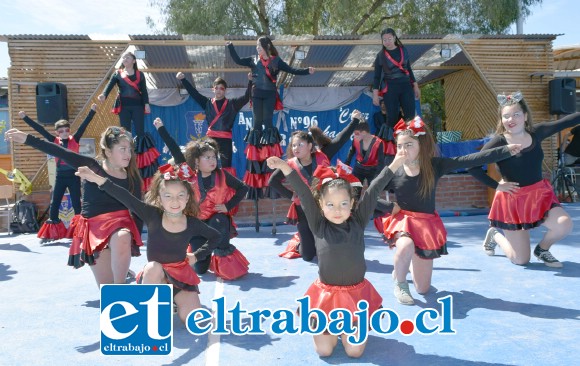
x=545, y=256
x=488, y=243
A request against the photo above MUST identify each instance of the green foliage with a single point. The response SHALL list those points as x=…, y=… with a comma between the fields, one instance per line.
x=335, y=17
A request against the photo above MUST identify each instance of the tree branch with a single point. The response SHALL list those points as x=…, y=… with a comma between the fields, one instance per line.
x=365, y=17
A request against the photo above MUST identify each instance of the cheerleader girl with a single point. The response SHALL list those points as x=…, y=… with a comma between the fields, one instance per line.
x=416, y=230
x=53, y=228
x=106, y=235
x=304, y=157
x=524, y=199
x=263, y=139
x=131, y=105
x=170, y=217
x=339, y=241
x=218, y=193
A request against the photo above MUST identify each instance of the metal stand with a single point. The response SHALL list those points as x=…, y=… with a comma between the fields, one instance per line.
x=563, y=186
x=257, y=212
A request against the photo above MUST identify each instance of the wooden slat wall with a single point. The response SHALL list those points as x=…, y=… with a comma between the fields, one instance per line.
x=469, y=105
x=82, y=65
x=503, y=66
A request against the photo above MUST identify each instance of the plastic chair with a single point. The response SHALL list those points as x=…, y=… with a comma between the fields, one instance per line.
x=6, y=194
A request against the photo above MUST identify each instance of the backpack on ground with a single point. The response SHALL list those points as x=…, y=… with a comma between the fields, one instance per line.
x=24, y=218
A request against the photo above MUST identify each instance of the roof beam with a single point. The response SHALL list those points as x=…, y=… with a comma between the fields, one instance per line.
x=332, y=69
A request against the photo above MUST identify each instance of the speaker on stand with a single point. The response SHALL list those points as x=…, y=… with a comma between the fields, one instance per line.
x=51, y=102
x=562, y=96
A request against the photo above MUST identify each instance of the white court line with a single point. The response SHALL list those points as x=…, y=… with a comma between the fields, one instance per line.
x=212, y=355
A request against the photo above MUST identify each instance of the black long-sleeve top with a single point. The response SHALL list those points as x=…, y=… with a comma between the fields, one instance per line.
x=407, y=188
x=208, y=182
x=262, y=82
x=129, y=95
x=61, y=168
x=524, y=168
x=329, y=150
x=164, y=246
x=393, y=71
x=340, y=247
x=95, y=201
x=203, y=101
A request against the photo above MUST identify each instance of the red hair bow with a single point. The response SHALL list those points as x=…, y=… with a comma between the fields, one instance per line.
x=417, y=126
x=183, y=173
x=326, y=174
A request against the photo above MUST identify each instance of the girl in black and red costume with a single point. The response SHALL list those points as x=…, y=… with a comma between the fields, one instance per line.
x=263, y=138
x=220, y=113
x=524, y=199
x=131, y=105
x=369, y=153
x=170, y=217
x=394, y=79
x=218, y=193
x=53, y=228
x=414, y=226
x=305, y=155
x=106, y=235
x=339, y=241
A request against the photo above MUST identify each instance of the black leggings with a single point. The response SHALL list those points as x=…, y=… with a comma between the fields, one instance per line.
x=135, y=113
x=73, y=183
x=220, y=222
x=226, y=151
x=399, y=95
x=263, y=108
x=307, y=248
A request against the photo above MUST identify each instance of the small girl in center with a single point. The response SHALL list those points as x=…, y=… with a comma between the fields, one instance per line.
x=218, y=193
x=170, y=217
x=339, y=241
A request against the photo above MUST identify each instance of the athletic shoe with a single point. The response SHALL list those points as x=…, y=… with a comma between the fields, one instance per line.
x=545, y=256
x=402, y=293
x=489, y=243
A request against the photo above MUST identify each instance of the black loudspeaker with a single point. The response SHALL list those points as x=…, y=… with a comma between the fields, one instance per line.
x=51, y=102
x=563, y=96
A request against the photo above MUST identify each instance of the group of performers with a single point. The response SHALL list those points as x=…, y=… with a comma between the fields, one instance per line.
x=190, y=203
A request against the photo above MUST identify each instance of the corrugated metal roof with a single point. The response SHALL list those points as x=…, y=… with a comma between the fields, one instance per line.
x=47, y=37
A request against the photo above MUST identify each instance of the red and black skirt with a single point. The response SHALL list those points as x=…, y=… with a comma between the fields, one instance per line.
x=261, y=145
x=292, y=215
x=426, y=231
x=52, y=231
x=147, y=155
x=92, y=235
x=525, y=209
x=329, y=297
x=178, y=274
x=292, y=251
x=72, y=226
x=229, y=264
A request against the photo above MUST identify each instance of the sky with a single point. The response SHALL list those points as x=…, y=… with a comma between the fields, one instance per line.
x=115, y=19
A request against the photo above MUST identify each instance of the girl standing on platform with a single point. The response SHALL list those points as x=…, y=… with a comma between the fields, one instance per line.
x=394, y=79
x=263, y=138
x=218, y=193
x=131, y=105
x=524, y=199
x=106, y=235
x=170, y=217
x=339, y=241
x=304, y=157
x=414, y=227
x=53, y=228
